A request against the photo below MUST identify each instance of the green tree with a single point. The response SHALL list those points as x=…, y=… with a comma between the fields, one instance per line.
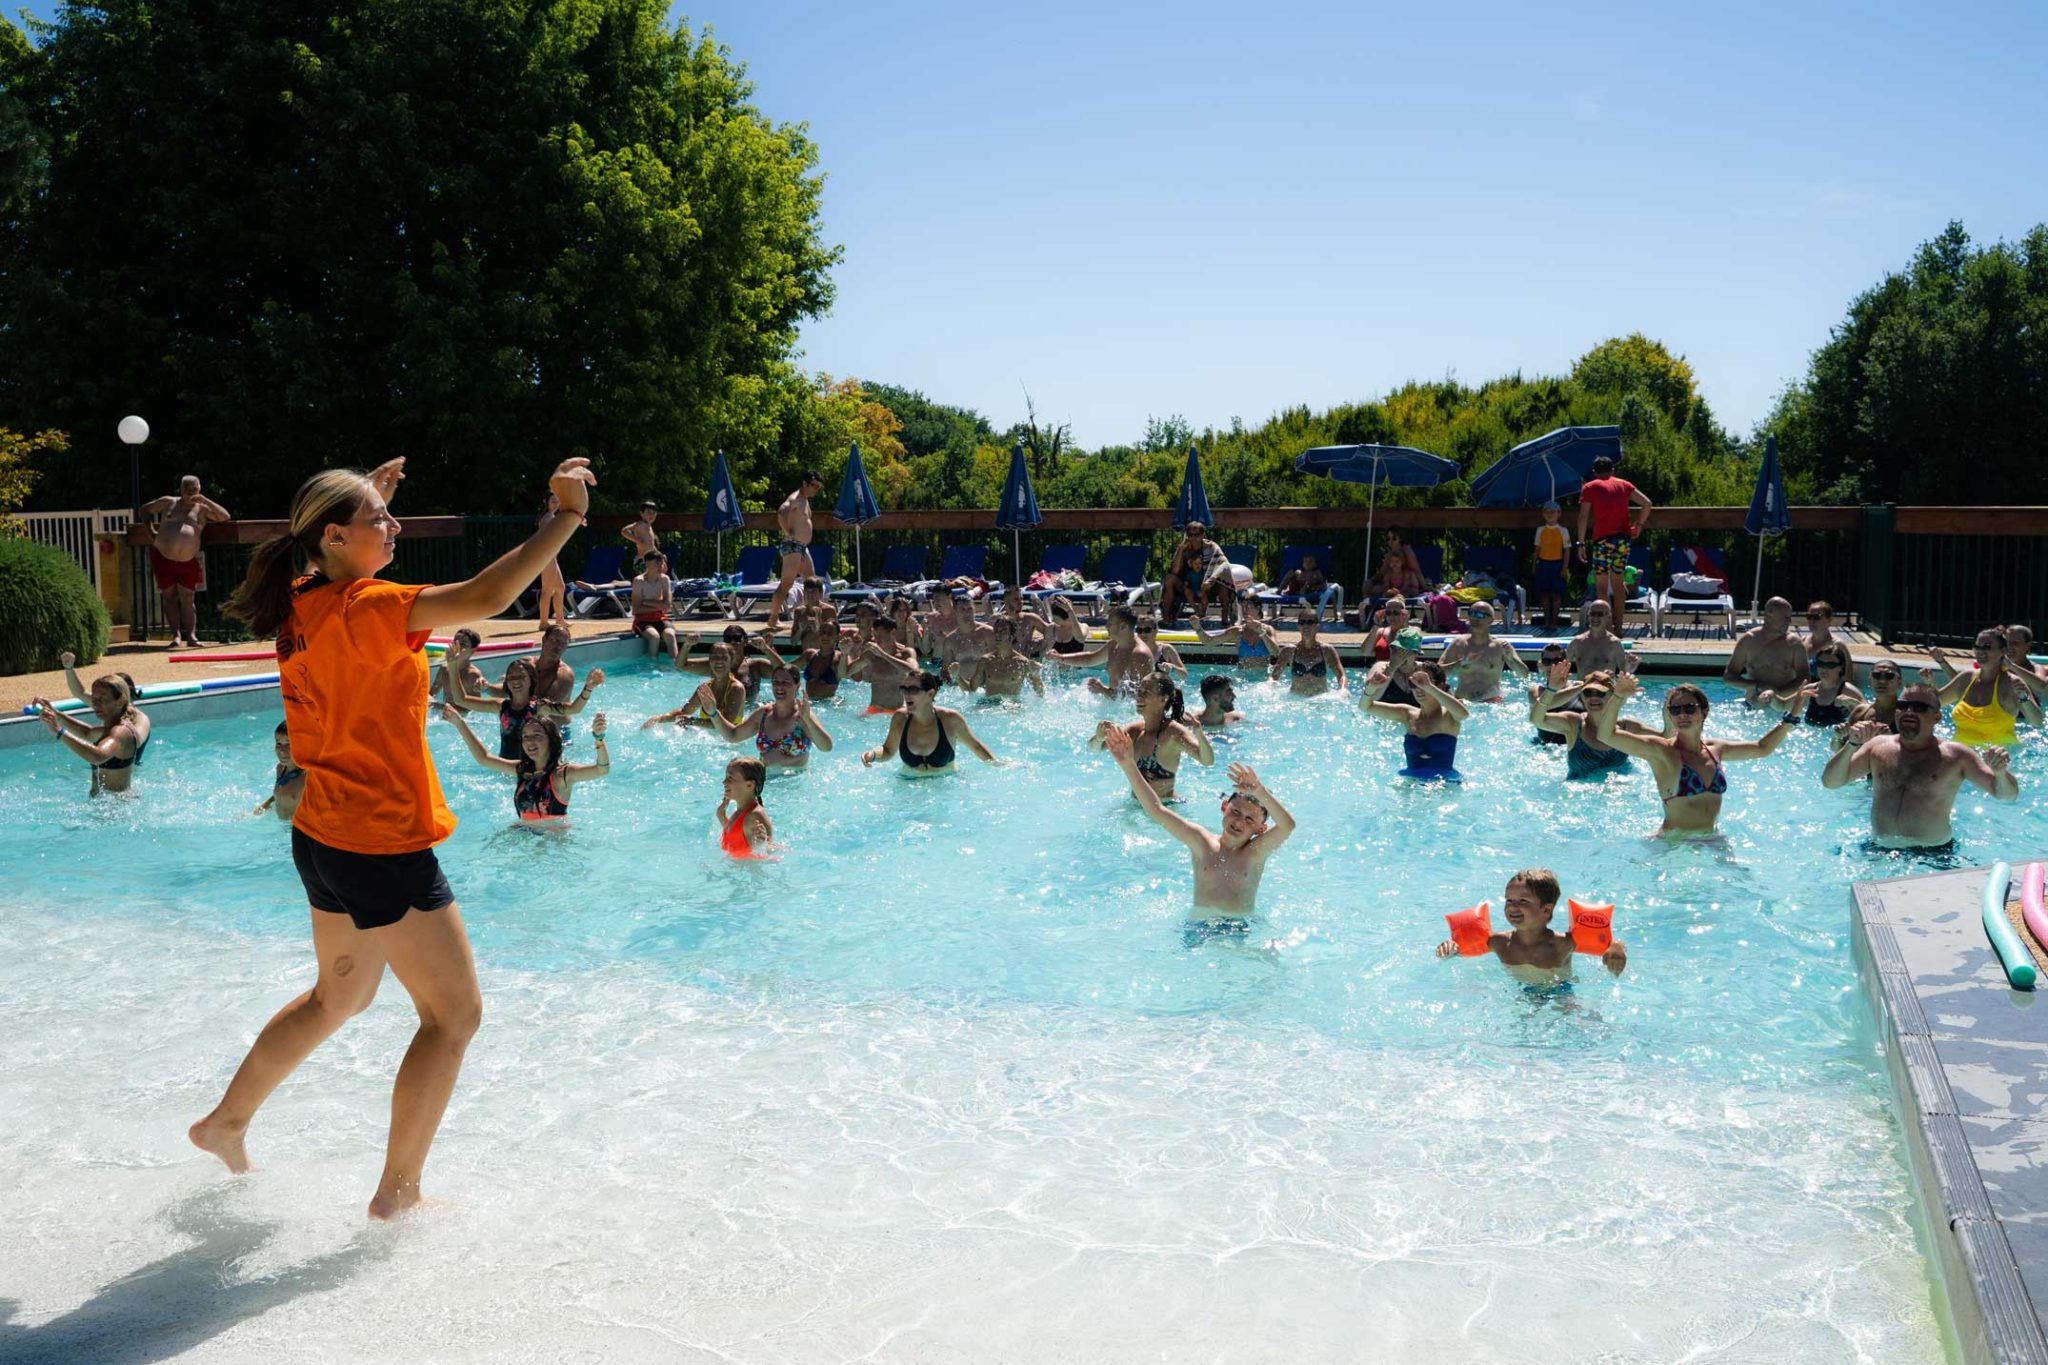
x=1935, y=387
x=481, y=233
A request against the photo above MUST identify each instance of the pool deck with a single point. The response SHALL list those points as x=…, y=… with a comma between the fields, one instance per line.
x=151, y=665
x=1969, y=1063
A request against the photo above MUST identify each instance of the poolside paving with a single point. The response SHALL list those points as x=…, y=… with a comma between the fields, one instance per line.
x=1969, y=1062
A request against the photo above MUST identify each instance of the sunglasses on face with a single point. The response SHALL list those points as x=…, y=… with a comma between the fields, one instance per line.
x=1683, y=708
x=1829, y=663
x=1883, y=675
x=1819, y=616
x=1916, y=706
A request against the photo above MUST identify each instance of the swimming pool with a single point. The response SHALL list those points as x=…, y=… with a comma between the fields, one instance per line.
x=943, y=1083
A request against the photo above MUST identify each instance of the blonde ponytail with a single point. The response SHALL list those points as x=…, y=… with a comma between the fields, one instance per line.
x=331, y=497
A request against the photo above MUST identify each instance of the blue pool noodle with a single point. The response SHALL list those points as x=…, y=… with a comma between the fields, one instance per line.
x=2019, y=963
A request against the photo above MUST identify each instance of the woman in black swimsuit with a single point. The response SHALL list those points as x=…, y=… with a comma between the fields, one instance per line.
x=924, y=734
x=1069, y=636
x=115, y=745
x=1834, y=696
x=518, y=706
x=541, y=781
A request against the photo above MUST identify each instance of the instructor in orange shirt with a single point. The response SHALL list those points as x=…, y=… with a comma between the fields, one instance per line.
x=354, y=681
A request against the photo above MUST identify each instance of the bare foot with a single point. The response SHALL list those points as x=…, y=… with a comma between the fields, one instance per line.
x=223, y=1139
x=386, y=1205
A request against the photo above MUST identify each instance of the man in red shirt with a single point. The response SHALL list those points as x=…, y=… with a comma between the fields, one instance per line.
x=1609, y=502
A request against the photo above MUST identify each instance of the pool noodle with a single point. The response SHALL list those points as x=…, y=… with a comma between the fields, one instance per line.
x=2030, y=903
x=247, y=656
x=160, y=691
x=2018, y=962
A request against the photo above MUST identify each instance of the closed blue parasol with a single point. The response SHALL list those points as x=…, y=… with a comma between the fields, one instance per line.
x=1548, y=468
x=1194, y=499
x=722, y=508
x=1019, y=510
x=856, y=505
x=1768, y=514
x=1395, y=466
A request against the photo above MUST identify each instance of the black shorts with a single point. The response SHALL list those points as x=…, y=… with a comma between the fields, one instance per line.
x=373, y=889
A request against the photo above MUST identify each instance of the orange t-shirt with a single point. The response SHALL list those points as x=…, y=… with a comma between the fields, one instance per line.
x=354, y=681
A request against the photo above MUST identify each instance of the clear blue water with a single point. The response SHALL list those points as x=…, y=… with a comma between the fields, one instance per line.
x=948, y=1055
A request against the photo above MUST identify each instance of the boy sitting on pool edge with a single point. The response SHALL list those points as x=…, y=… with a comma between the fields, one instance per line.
x=1227, y=868
x=1532, y=952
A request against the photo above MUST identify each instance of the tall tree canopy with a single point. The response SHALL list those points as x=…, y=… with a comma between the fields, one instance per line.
x=484, y=234
x=1935, y=388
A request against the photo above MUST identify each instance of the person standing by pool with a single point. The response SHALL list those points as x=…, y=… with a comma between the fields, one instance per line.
x=639, y=532
x=1126, y=656
x=743, y=827
x=1610, y=504
x=1478, y=658
x=1227, y=869
x=1003, y=671
x=288, y=783
x=1691, y=770
x=174, y=554
x=541, y=781
x=654, y=595
x=925, y=735
x=786, y=729
x=1769, y=664
x=794, y=549
x=1159, y=735
x=1597, y=648
x=1553, y=545
x=1430, y=745
x=1310, y=665
x=113, y=746
x=1988, y=700
x=552, y=608
x=1915, y=776
x=1219, y=702
x=1533, y=953
x=354, y=683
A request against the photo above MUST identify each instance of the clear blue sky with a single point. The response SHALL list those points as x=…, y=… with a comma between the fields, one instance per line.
x=1221, y=211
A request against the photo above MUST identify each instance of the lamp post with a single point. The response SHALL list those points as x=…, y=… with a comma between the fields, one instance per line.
x=134, y=431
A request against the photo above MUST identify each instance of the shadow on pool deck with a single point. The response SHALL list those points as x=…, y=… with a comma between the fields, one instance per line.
x=174, y=1304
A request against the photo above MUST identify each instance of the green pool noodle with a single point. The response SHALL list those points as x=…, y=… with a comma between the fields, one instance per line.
x=2019, y=963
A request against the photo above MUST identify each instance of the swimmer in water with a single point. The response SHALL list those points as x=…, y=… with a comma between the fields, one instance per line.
x=113, y=746
x=1003, y=671
x=924, y=735
x=1068, y=635
x=456, y=665
x=1227, y=868
x=743, y=827
x=786, y=729
x=1691, y=770
x=1586, y=756
x=289, y=782
x=1478, y=659
x=1257, y=643
x=1159, y=736
x=1596, y=647
x=751, y=660
x=1915, y=776
x=1533, y=952
x=1835, y=696
x=1310, y=664
x=721, y=692
x=541, y=781
x=1219, y=698
x=1167, y=657
x=1769, y=663
x=1029, y=628
x=1430, y=745
x=888, y=664
x=1125, y=656
x=1881, y=705
x=1989, y=699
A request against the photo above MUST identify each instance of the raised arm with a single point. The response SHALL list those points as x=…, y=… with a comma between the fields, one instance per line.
x=1852, y=760
x=591, y=681
x=70, y=662
x=1282, y=827
x=1087, y=657
x=1375, y=688
x=1418, y=681
x=1540, y=705
x=1987, y=771
x=821, y=738
x=747, y=728
x=1195, y=739
x=1646, y=747
x=588, y=772
x=484, y=757
x=493, y=590
x=1188, y=832
x=209, y=510
x=1771, y=738
x=460, y=695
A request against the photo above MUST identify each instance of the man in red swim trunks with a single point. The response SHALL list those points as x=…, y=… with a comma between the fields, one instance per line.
x=174, y=554
x=1608, y=502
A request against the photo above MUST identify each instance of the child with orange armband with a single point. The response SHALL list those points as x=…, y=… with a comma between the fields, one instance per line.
x=1531, y=951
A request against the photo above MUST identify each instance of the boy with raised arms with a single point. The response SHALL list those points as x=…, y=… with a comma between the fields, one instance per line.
x=1227, y=867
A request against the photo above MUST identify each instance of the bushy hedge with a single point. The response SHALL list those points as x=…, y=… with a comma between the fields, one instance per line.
x=47, y=605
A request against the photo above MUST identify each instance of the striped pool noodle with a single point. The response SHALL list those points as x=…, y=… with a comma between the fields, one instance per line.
x=2018, y=962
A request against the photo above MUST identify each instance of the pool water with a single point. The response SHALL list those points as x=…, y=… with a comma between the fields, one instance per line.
x=944, y=1083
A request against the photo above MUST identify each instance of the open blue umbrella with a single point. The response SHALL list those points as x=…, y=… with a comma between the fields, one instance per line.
x=856, y=505
x=1019, y=510
x=1768, y=514
x=1548, y=468
x=1194, y=499
x=722, y=508
x=1395, y=466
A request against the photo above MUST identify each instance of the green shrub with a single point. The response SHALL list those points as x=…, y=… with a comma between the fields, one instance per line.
x=47, y=606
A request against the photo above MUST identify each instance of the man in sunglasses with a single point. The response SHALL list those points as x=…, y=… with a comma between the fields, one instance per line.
x=1769, y=664
x=1915, y=776
x=1479, y=658
x=1881, y=705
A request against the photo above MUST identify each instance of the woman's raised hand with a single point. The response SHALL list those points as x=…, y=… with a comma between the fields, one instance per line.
x=385, y=478
x=571, y=484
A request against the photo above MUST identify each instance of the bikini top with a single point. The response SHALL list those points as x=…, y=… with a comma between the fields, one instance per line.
x=535, y=798
x=795, y=744
x=1689, y=783
x=114, y=765
x=1314, y=670
x=1151, y=768
x=285, y=775
x=940, y=755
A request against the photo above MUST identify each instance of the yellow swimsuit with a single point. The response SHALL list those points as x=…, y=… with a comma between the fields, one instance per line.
x=1988, y=724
